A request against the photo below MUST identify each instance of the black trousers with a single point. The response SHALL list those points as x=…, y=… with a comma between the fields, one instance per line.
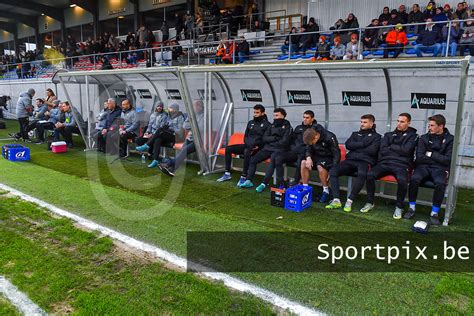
x=66, y=133
x=262, y=155
x=41, y=127
x=23, y=126
x=425, y=173
x=397, y=48
x=159, y=140
x=1, y=114
x=348, y=168
x=31, y=125
x=286, y=158
x=188, y=148
x=379, y=171
x=240, y=150
x=123, y=144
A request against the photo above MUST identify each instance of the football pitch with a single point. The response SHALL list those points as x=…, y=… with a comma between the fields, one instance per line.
x=128, y=197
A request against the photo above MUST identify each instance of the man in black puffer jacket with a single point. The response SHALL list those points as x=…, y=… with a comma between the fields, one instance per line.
x=363, y=147
x=322, y=153
x=277, y=139
x=397, y=150
x=433, y=161
x=296, y=154
x=253, y=142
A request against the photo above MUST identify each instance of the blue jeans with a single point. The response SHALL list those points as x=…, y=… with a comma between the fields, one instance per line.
x=435, y=48
x=285, y=48
x=453, y=47
x=242, y=57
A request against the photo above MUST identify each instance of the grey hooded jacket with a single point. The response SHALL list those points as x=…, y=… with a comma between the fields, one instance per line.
x=132, y=124
x=23, y=106
x=200, y=123
x=157, y=120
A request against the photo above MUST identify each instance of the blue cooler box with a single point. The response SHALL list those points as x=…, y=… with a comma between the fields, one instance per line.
x=298, y=198
x=16, y=152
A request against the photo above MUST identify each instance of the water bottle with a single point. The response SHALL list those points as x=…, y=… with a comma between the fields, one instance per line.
x=143, y=158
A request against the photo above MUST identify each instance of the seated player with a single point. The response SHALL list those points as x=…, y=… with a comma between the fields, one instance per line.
x=253, y=142
x=397, y=150
x=276, y=140
x=363, y=147
x=130, y=128
x=322, y=153
x=68, y=124
x=296, y=154
x=433, y=161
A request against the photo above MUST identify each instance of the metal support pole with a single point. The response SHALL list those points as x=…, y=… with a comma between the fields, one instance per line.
x=359, y=44
x=289, y=48
x=389, y=100
x=453, y=181
x=448, y=47
x=89, y=116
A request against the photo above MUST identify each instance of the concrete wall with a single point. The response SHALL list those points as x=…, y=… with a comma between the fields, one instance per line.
x=77, y=16
x=47, y=24
x=147, y=5
x=25, y=31
x=109, y=9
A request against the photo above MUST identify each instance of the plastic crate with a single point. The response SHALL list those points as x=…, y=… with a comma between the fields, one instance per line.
x=277, y=197
x=298, y=198
x=16, y=152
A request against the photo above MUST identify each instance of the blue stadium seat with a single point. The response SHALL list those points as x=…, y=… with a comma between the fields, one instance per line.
x=282, y=57
x=307, y=56
x=296, y=56
x=366, y=53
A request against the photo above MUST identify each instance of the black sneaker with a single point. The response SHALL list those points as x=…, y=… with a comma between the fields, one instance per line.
x=39, y=142
x=167, y=170
x=15, y=136
x=434, y=220
x=409, y=214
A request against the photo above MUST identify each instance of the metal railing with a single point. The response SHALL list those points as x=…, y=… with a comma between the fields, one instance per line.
x=190, y=53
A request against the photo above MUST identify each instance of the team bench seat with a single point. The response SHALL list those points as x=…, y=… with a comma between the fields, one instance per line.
x=235, y=139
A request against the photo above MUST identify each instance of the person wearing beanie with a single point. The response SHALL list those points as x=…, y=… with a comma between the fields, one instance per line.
x=353, y=49
x=338, y=51
x=396, y=40
x=166, y=135
x=156, y=121
x=24, y=109
x=370, y=35
x=322, y=49
x=394, y=18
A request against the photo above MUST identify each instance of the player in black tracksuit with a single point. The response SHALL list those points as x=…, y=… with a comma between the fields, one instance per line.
x=433, y=161
x=276, y=140
x=397, y=150
x=322, y=153
x=363, y=147
x=253, y=142
x=297, y=151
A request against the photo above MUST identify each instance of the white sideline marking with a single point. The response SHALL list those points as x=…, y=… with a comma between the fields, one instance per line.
x=19, y=299
x=229, y=281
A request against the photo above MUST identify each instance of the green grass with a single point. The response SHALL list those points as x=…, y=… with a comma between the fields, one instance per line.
x=64, y=269
x=6, y=308
x=132, y=199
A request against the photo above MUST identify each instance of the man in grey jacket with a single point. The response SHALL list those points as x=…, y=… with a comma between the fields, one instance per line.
x=68, y=123
x=156, y=121
x=129, y=130
x=188, y=147
x=23, y=110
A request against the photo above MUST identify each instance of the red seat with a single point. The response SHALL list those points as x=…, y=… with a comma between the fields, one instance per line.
x=342, y=148
x=388, y=178
x=235, y=139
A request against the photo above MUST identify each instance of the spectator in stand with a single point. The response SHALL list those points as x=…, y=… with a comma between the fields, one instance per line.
x=215, y=10
x=461, y=12
x=130, y=39
x=243, y=50
x=313, y=27
x=385, y=16
x=394, y=18
x=453, y=39
x=428, y=40
x=165, y=31
x=353, y=49
x=105, y=63
x=447, y=10
x=322, y=49
x=402, y=14
x=178, y=25
x=229, y=56
x=140, y=36
x=338, y=51
x=338, y=25
x=305, y=40
x=189, y=25
x=351, y=22
x=221, y=50
x=383, y=32
x=396, y=41
x=291, y=42
x=370, y=35
x=415, y=16
x=50, y=97
x=467, y=38
x=439, y=17
x=430, y=10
